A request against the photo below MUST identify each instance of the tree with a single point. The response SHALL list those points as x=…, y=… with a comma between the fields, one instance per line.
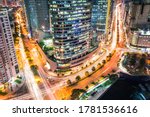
x=113, y=77
x=142, y=62
x=93, y=83
x=103, y=61
x=108, y=58
x=108, y=75
x=93, y=68
x=4, y=86
x=78, y=78
x=99, y=65
x=87, y=87
x=15, y=36
x=113, y=70
x=30, y=60
x=69, y=82
x=127, y=53
x=86, y=73
x=41, y=43
x=34, y=67
x=109, y=55
x=76, y=93
x=133, y=59
x=22, y=36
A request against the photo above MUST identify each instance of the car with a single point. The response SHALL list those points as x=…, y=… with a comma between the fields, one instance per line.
x=93, y=93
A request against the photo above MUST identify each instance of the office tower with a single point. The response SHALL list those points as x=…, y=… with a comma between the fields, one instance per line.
x=43, y=14
x=8, y=61
x=38, y=17
x=100, y=15
x=71, y=20
x=101, y=20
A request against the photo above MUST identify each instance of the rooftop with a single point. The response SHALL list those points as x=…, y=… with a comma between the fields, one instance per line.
x=144, y=32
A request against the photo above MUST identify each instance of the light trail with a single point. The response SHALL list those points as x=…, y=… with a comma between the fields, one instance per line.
x=32, y=85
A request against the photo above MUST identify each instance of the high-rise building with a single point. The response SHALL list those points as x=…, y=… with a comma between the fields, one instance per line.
x=100, y=14
x=8, y=2
x=38, y=17
x=8, y=61
x=43, y=14
x=137, y=13
x=140, y=14
x=101, y=20
x=71, y=25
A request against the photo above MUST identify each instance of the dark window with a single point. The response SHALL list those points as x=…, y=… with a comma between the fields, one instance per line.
x=17, y=69
x=2, y=19
x=148, y=20
x=142, y=9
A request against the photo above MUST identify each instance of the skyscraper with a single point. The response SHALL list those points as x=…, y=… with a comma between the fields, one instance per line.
x=38, y=17
x=100, y=14
x=8, y=61
x=101, y=20
x=43, y=14
x=71, y=21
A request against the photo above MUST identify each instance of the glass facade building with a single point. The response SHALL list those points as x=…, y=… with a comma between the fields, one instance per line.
x=43, y=14
x=31, y=12
x=38, y=16
x=99, y=15
x=71, y=25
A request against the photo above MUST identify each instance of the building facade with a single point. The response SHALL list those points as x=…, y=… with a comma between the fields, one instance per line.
x=137, y=13
x=38, y=17
x=140, y=14
x=137, y=22
x=99, y=14
x=141, y=38
x=102, y=12
x=8, y=61
x=71, y=25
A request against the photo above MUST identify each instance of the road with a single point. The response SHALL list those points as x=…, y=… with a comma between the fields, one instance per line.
x=59, y=90
x=43, y=77
x=65, y=92
x=31, y=83
x=34, y=90
x=117, y=44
